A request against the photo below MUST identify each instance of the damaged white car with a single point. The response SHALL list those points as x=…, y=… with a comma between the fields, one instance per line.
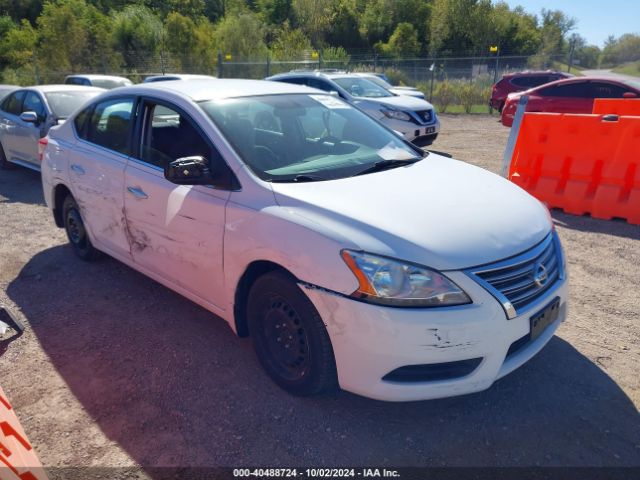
x=351, y=258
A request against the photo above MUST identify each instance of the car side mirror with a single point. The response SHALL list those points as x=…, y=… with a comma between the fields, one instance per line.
x=29, y=117
x=629, y=95
x=189, y=171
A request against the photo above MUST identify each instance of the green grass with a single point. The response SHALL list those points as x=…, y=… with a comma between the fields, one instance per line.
x=460, y=109
x=632, y=68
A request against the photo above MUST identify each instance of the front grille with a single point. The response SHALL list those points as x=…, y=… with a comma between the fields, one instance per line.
x=522, y=280
x=425, y=115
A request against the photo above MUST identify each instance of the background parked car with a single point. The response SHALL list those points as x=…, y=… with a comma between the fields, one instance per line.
x=574, y=95
x=377, y=79
x=519, y=81
x=101, y=81
x=6, y=90
x=176, y=76
x=415, y=118
x=27, y=114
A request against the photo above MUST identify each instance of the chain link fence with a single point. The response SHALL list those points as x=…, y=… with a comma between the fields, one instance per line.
x=454, y=83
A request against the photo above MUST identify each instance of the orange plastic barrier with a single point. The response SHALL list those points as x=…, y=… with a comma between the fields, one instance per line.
x=18, y=461
x=617, y=106
x=580, y=163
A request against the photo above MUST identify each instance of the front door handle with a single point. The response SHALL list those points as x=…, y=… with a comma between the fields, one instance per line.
x=77, y=169
x=137, y=192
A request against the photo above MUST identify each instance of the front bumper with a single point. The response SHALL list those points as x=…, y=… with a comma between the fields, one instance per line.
x=370, y=341
x=411, y=131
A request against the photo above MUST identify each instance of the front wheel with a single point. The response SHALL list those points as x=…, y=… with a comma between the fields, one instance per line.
x=289, y=337
x=76, y=231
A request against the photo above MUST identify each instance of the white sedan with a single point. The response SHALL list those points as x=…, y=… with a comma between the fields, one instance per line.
x=350, y=257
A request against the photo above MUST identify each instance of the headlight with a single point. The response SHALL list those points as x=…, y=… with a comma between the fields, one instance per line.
x=396, y=114
x=392, y=282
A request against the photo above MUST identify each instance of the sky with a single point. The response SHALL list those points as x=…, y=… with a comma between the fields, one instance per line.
x=596, y=19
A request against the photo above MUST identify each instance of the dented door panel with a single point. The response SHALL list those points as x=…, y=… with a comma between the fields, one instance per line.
x=176, y=231
x=97, y=179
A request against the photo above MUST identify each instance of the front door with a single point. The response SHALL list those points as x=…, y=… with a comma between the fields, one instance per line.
x=176, y=231
x=27, y=134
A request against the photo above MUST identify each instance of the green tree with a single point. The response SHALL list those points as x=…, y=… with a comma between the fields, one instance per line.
x=242, y=35
x=314, y=17
x=404, y=42
x=137, y=34
x=289, y=43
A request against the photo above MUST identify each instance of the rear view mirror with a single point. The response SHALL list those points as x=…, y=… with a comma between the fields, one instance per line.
x=29, y=117
x=189, y=171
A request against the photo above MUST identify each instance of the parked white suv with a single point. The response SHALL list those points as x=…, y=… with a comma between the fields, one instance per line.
x=349, y=256
x=414, y=118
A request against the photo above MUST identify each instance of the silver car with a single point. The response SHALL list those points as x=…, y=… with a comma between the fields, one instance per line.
x=27, y=114
x=412, y=117
x=102, y=81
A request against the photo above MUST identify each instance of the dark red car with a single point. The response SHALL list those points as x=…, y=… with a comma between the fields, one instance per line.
x=517, y=82
x=573, y=95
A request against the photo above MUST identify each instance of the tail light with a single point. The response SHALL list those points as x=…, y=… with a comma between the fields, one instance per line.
x=42, y=144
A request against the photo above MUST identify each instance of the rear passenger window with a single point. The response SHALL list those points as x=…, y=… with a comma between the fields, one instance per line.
x=110, y=125
x=168, y=135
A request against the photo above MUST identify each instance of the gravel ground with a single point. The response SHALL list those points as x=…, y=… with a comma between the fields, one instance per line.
x=116, y=370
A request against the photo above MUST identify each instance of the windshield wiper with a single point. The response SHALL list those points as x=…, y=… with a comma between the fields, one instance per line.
x=300, y=178
x=386, y=165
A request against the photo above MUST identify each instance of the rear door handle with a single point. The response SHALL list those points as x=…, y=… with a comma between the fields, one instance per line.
x=137, y=192
x=77, y=169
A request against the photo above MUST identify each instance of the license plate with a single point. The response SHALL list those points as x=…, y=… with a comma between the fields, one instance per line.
x=545, y=317
x=429, y=130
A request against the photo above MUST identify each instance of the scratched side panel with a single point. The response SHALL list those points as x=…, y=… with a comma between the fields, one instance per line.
x=177, y=231
x=97, y=183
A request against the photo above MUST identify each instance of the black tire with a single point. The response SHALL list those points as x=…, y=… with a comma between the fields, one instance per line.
x=76, y=231
x=4, y=163
x=289, y=337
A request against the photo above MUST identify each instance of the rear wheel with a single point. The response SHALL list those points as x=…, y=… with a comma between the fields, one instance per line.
x=76, y=231
x=4, y=163
x=289, y=337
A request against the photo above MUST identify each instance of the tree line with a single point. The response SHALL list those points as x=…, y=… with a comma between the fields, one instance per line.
x=118, y=35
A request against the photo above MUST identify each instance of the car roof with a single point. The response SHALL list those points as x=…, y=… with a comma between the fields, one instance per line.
x=92, y=76
x=64, y=88
x=177, y=76
x=536, y=72
x=200, y=90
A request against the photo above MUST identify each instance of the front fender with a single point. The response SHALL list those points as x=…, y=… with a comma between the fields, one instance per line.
x=280, y=235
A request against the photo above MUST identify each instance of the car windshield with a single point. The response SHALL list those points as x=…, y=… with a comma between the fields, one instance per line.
x=302, y=137
x=65, y=103
x=380, y=82
x=362, y=87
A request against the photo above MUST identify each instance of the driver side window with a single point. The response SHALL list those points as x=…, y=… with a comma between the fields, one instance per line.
x=169, y=135
x=33, y=103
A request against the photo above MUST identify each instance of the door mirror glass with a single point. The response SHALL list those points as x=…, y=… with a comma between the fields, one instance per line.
x=189, y=171
x=29, y=117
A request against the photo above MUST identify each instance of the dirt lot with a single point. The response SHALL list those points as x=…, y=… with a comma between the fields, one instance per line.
x=116, y=370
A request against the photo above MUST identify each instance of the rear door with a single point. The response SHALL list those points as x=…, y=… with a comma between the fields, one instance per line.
x=96, y=170
x=176, y=231
x=564, y=98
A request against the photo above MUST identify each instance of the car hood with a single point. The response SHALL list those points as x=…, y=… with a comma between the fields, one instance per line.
x=400, y=102
x=438, y=212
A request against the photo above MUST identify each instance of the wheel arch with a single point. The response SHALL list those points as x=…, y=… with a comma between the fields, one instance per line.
x=60, y=192
x=254, y=270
